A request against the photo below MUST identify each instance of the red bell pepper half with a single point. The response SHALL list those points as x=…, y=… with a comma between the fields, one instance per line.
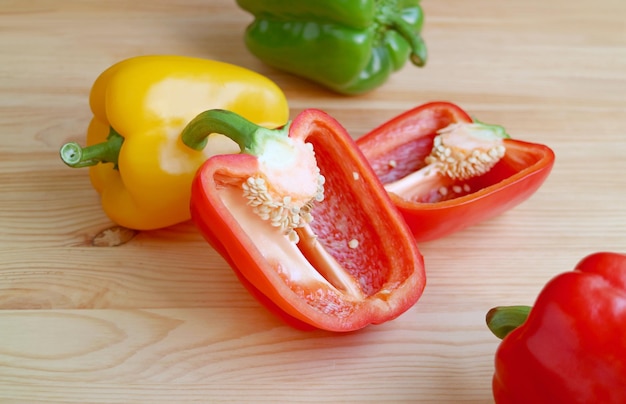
x=571, y=346
x=435, y=204
x=304, y=222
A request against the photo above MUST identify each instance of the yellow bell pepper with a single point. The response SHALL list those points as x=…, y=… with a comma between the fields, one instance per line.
x=137, y=160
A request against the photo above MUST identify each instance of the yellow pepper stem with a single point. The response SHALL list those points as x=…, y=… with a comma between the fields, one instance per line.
x=76, y=156
x=250, y=137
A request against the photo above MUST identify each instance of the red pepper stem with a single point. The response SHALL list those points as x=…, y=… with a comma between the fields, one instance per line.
x=108, y=151
x=249, y=136
x=418, y=46
x=502, y=320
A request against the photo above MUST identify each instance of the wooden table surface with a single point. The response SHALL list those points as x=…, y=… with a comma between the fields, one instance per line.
x=161, y=317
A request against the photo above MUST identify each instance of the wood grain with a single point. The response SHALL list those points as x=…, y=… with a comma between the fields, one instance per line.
x=91, y=315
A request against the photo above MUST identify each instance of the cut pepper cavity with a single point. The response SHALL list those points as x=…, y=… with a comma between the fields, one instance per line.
x=445, y=172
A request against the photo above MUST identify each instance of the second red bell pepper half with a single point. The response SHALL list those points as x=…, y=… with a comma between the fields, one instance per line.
x=570, y=347
x=434, y=204
x=305, y=223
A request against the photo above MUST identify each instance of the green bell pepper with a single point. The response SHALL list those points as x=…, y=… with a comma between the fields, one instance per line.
x=349, y=46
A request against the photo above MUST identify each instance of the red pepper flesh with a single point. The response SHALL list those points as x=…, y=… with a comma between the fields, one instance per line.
x=400, y=146
x=356, y=224
x=572, y=346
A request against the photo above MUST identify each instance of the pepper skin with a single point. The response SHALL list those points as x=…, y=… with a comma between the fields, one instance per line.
x=349, y=46
x=347, y=260
x=399, y=147
x=571, y=348
x=141, y=105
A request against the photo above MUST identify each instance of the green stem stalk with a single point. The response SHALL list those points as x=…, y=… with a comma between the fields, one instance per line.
x=504, y=319
x=76, y=156
x=249, y=136
x=497, y=130
x=419, y=52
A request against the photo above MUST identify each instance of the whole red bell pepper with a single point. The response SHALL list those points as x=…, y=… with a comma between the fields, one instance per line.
x=571, y=346
x=435, y=204
x=304, y=222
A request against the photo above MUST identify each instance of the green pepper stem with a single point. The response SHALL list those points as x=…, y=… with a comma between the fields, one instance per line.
x=248, y=135
x=108, y=151
x=504, y=319
x=496, y=130
x=419, y=52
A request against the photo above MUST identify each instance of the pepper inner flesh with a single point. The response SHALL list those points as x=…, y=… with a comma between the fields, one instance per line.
x=306, y=261
x=325, y=264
